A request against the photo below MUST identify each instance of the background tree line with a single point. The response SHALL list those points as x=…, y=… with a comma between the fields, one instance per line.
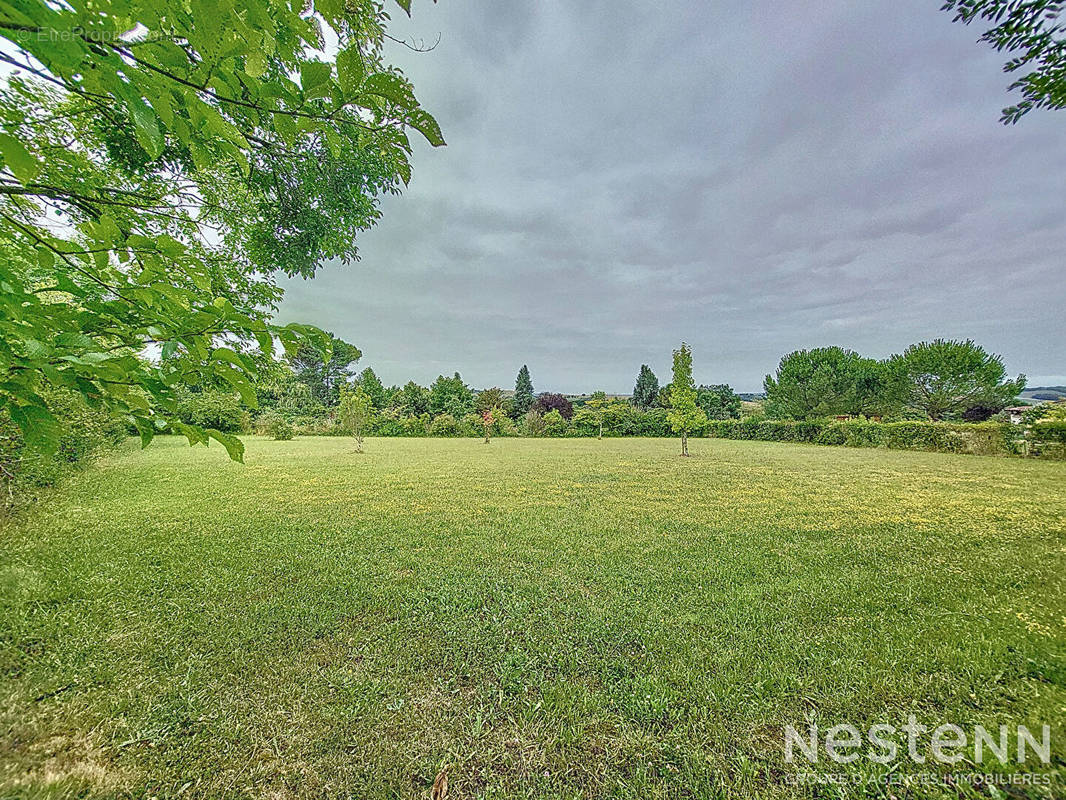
x=938, y=380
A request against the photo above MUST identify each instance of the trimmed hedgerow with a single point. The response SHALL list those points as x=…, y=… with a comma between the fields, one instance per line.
x=985, y=438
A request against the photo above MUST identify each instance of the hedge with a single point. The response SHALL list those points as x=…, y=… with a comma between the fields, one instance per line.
x=84, y=431
x=982, y=438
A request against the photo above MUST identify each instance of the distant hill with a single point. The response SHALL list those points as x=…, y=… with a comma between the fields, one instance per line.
x=1038, y=394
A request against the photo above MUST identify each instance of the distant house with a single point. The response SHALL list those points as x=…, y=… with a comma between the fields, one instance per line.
x=1016, y=413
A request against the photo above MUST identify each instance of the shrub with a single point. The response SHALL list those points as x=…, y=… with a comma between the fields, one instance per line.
x=985, y=438
x=84, y=432
x=863, y=433
x=502, y=424
x=274, y=425
x=533, y=423
x=1050, y=436
x=444, y=425
x=471, y=425
x=386, y=423
x=555, y=424
x=282, y=430
x=394, y=423
x=548, y=402
x=213, y=409
x=318, y=426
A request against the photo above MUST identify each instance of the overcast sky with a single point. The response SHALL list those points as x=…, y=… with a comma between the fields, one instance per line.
x=751, y=177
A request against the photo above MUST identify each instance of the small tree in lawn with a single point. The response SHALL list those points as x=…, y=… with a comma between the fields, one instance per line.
x=488, y=399
x=598, y=404
x=355, y=407
x=487, y=421
x=684, y=416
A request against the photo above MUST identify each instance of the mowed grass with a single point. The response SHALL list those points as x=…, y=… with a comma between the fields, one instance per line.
x=545, y=618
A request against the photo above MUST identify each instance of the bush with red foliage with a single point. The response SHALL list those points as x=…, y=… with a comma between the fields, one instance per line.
x=548, y=402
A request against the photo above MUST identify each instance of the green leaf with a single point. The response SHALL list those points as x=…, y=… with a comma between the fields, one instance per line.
x=350, y=70
x=146, y=430
x=35, y=350
x=230, y=356
x=255, y=64
x=40, y=430
x=423, y=122
x=146, y=128
x=18, y=159
x=391, y=87
x=239, y=381
x=405, y=5
x=314, y=74
x=233, y=445
x=74, y=339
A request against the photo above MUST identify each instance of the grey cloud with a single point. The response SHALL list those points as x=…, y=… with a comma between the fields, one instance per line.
x=751, y=177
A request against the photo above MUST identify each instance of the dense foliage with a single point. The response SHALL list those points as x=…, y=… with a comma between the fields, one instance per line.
x=547, y=402
x=944, y=378
x=372, y=386
x=936, y=380
x=1032, y=33
x=646, y=389
x=823, y=389
x=826, y=381
x=161, y=162
x=450, y=396
x=685, y=416
x=718, y=401
x=85, y=432
x=988, y=438
x=325, y=373
x=523, y=392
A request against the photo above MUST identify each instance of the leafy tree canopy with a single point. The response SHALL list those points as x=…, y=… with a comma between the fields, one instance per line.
x=325, y=375
x=450, y=396
x=944, y=378
x=684, y=415
x=488, y=399
x=825, y=381
x=161, y=162
x=414, y=399
x=718, y=401
x=1033, y=34
x=549, y=401
x=372, y=386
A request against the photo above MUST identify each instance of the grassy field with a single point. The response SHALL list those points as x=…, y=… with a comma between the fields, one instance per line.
x=545, y=618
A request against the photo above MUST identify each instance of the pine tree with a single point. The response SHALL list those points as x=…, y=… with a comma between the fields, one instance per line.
x=646, y=390
x=369, y=382
x=523, y=393
x=685, y=416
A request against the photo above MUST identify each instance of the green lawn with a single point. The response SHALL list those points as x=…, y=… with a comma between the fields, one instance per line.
x=548, y=618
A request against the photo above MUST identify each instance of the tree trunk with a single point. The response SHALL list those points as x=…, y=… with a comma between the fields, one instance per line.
x=684, y=444
x=601, y=431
